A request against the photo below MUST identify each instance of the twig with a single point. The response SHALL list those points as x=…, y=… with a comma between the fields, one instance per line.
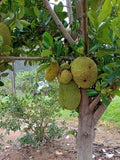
x=58, y=22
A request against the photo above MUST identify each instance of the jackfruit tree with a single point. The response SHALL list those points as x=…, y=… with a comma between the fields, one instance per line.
x=82, y=52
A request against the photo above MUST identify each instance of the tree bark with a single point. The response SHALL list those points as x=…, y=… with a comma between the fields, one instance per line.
x=85, y=129
x=85, y=139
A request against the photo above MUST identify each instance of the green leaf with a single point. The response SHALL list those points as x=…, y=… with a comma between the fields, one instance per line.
x=25, y=63
x=22, y=12
x=25, y=23
x=6, y=48
x=46, y=53
x=36, y=11
x=96, y=4
x=114, y=25
x=118, y=84
x=96, y=46
x=47, y=40
x=114, y=2
x=1, y=83
x=11, y=15
x=19, y=25
x=80, y=50
x=118, y=42
x=107, y=69
x=10, y=67
x=102, y=75
x=59, y=7
x=114, y=76
x=97, y=86
x=105, y=100
x=71, y=132
x=92, y=17
x=101, y=54
x=115, y=92
x=4, y=75
x=103, y=33
x=42, y=67
x=105, y=11
x=91, y=92
x=59, y=49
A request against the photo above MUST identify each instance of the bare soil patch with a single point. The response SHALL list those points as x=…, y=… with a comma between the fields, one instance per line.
x=106, y=146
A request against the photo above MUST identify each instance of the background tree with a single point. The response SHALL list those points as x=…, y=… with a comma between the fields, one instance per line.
x=43, y=32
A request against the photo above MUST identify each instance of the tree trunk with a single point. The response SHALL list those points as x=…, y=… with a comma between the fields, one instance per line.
x=13, y=80
x=85, y=130
x=84, y=139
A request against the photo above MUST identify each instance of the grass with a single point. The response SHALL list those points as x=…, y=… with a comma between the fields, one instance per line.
x=67, y=114
x=112, y=114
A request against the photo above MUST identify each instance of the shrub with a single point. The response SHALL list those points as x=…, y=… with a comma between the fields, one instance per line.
x=34, y=115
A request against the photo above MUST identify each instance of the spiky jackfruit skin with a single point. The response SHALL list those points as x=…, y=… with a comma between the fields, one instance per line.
x=69, y=95
x=64, y=66
x=52, y=71
x=5, y=33
x=84, y=71
x=64, y=76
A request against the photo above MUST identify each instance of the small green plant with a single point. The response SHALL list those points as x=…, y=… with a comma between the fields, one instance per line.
x=34, y=115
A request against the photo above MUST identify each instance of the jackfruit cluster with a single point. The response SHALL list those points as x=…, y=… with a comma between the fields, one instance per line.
x=81, y=73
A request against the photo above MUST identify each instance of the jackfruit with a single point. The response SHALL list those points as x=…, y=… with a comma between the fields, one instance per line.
x=84, y=71
x=64, y=76
x=52, y=71
x=5, y=33
x=69, y=95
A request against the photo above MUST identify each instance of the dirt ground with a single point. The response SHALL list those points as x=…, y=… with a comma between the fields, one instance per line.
x=105, y=146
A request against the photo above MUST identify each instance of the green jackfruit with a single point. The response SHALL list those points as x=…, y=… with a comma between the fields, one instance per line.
x=5, y=33
x=69, y=95
x=52, y=71
x=64, y=76
x=84, y=71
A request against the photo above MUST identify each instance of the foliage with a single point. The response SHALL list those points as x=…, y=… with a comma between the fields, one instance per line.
x=33, y=115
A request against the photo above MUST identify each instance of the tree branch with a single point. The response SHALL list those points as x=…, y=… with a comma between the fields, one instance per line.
x=11, y=58
x=71, y=18
x=81, y=9
x=58, y=22
x=99, y=112
x=94, y=103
